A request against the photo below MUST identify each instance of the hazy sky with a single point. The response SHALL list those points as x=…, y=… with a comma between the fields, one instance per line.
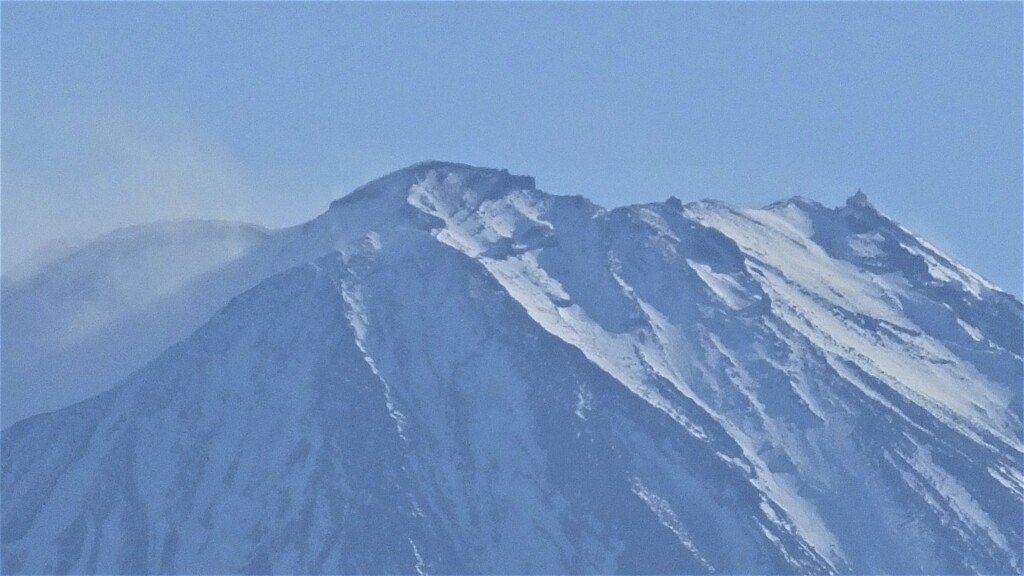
x=118, y=113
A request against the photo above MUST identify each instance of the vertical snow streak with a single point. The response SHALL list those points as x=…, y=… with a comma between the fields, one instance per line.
x=663, y=510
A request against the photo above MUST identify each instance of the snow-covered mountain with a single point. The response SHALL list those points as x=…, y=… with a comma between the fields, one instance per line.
x=453, y=371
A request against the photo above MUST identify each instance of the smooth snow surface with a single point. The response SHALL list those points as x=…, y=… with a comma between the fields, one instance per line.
x=453, y=371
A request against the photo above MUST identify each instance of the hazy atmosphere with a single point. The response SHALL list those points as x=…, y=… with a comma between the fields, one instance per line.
x=116, y=114
x=511, y=288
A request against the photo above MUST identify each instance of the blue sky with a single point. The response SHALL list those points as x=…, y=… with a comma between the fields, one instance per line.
x=119, y=113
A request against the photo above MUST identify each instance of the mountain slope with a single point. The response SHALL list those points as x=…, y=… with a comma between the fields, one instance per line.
x=469, y=374
x=104, y=309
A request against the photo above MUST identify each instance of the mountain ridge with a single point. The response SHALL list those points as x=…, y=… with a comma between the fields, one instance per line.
x=454, y=371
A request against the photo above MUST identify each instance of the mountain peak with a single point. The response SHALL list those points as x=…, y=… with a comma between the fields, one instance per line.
x=859, y=200
x=801, y=202
x=487, y=181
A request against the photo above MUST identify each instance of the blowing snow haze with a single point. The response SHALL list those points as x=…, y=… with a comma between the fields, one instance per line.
x=451, y=370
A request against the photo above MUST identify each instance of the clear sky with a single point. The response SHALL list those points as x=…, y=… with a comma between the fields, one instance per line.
x=117, y=113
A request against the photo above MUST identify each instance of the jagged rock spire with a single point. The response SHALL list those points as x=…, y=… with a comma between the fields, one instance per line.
x=859, y=200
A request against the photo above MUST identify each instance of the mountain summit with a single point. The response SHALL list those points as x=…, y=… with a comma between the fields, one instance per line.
x=472, y=180
x=859, y=200
x=453, y=371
